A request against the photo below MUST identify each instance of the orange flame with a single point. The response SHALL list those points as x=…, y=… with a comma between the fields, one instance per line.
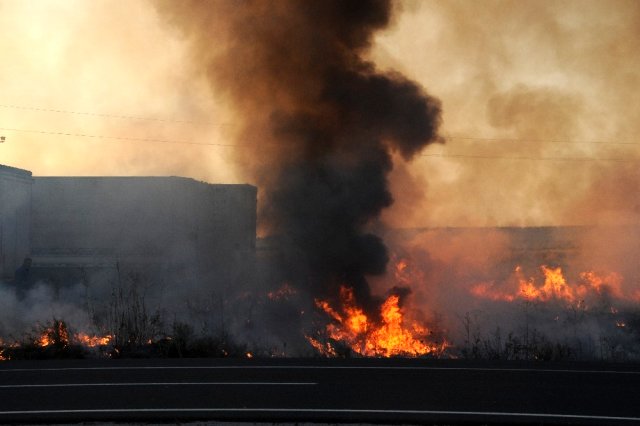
x=555, y=287
x=325, y=349
x=57, y=334
x=92, y=341
x=392, y=336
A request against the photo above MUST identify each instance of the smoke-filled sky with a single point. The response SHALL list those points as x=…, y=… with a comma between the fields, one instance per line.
x=522, y=84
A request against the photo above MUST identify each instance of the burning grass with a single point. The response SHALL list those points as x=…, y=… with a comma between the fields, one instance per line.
x=553, y=317
x=56, y=341
x=390, y=335
x=545, y=317
x=123, y=326
x=46, y=341
x=590, y=286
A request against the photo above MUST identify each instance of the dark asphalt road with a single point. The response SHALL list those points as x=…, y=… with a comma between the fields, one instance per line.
x=390, y=391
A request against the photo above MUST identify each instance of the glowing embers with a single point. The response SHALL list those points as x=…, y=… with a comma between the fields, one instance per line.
x=554, y=287
x=285, y=292
x=390, y=335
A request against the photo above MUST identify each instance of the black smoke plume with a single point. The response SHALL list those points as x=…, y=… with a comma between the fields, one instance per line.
x=318, y=124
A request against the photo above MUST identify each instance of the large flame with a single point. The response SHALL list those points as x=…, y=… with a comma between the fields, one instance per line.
x=392, y=335
x=554, y=287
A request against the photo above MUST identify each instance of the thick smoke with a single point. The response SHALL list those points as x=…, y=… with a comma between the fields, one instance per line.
x=319, y=125
x=520, y=81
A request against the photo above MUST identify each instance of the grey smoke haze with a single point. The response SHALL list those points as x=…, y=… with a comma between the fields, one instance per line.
x=319, y=121
x=38, y=306
x=304, y=99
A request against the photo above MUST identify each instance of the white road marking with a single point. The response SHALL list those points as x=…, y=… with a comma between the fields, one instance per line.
x=317, y=367
x=483, y=414
x=71, y=385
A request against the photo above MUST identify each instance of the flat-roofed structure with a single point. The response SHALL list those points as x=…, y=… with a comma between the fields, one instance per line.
x=15, y=218
x=73, y=227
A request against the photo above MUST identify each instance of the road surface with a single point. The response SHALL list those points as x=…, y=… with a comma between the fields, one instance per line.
x=288, y=390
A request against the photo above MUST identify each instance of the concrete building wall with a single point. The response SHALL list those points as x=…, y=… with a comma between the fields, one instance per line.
x=15, y=208
x=167, y=222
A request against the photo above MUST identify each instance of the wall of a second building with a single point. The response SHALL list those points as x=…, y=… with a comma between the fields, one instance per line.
x=15, y=229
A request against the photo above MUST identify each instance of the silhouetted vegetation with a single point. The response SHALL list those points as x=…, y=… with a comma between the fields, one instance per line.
x=46, y=341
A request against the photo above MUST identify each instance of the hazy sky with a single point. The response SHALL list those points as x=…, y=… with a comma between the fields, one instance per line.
x=527, y=82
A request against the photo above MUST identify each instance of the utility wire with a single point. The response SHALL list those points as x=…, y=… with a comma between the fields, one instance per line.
x=121, y=116
x=122, y=138
x=496, y=157
x=453, y=137
x=182, y=142
x=565, y=141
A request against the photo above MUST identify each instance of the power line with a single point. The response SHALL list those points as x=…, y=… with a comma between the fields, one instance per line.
x=182, y=142
x=496, y=157
x=120, y=116
x=453, y=137
x=564, y=141
x=122, y=138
